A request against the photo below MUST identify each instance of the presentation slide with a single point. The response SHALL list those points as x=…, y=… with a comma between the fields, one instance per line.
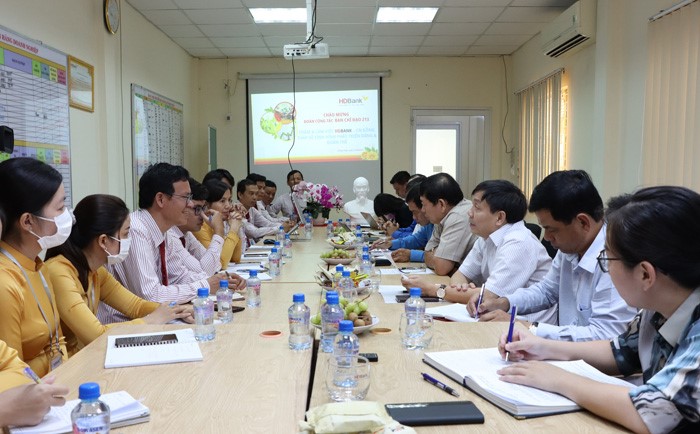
x=330, y=126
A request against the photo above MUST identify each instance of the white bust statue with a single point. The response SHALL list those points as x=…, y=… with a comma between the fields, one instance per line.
x=360, y=204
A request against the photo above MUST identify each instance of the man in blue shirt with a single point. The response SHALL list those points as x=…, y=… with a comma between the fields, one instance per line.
x=410, y=248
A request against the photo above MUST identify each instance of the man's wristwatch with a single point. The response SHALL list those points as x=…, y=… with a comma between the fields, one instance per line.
x=441, y=291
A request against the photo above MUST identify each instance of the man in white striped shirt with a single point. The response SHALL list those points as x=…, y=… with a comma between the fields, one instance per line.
x=255, y=225
x=155, y=268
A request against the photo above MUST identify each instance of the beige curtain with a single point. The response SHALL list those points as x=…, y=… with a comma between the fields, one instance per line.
x=538, y=128
x=671, y=144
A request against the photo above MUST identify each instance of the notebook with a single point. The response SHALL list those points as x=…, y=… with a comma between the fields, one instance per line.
x=453, y=312
x=476, y=369
x=435, y=413
x=124, y=411
x=185, y=350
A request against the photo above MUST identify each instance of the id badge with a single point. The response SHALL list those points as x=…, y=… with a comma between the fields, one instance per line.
x=56, y=361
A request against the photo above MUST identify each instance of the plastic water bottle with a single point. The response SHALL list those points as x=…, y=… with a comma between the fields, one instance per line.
x=299, y=317
x=348, y=224
x=90, y=415
x=203, y=316
x=280, y=249
x=366, y=265
x=415, y=305
x=308, y=228
x=331, y=315
x=223, y=302
x=280, y=234
x=346, y=286
x=359, y=238
x=274, y=260
x=253, y=290
x=329, y=228
x=287, y=246
x=337, y=275
x=364, y=251
x=347, y=344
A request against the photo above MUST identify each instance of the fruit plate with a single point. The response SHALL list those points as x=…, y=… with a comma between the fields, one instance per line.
x=347, y=246
x=357, y=330
x=338, y=261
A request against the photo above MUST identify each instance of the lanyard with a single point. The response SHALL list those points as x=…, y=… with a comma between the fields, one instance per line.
x=41, y=309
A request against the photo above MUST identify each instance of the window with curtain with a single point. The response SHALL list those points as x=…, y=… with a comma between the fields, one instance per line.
x=671, y=143
x=541, y=130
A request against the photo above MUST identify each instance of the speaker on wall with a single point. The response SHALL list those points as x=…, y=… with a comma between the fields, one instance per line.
x=7, y=139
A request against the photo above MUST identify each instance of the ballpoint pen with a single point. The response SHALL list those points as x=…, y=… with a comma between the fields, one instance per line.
x=513, y=312
x=478, y=302
x=439, y=384
x=32, y=375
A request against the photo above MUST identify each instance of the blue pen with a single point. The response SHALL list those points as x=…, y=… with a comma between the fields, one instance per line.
x=478, y=302
x=513, y=312
x=439, y=384
x=32, y=375
x=172, y=304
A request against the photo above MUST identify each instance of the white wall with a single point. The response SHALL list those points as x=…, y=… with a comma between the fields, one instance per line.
x=101, y=141
x=413, y=83
x=606, y=92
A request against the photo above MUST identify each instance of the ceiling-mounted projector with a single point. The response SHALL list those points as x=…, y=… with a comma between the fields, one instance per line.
x=306, y=51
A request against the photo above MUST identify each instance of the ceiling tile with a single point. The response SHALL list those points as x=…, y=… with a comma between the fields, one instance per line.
x=409, y=3
x=492, y=49
x=346, y=41
x=529, y=15
x=442, y=51
x=397, y=41
x=295, y=31
x=166, y=17
x=392, y=51
x=279, y=41
x=246, y=41
x=345, y=15
x=145, y=5
x=439, y=29
x=249, y=52
x=223, y=30
x=182, y=31
x=194, y=42
x=207, y=4
x=545, y=3
x=348, y=51
x=273, y=3
x=463, y=3
x=449, y=40
x=467, y=15
x=343, y=29
x=514, y=28
x=393, y=29
x=206, y=52
x=503, y=39
x=220, y=16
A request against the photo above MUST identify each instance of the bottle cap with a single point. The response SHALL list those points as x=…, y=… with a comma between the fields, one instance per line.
x=253, y=273
x=298, y=298
x=277, y=244
x=365, y=248
x=414, y=292
x=332, y=297
x=203, y=292
x=223, y=283
x=365, y=257
x=338, y=268
x=346, y=273
x=286, y=236
x=345, y=326
x=274, y=249
x=89, y=391
x=281, y=227
x=358, y=227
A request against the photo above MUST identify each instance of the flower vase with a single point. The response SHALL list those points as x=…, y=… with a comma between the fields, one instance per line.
x=322, y=217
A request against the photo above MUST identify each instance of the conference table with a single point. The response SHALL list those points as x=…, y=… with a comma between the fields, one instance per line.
x=250, y=381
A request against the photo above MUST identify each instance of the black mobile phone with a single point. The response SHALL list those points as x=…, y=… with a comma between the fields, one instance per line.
x=372, y=357
x=237, y=308
x=269, y=241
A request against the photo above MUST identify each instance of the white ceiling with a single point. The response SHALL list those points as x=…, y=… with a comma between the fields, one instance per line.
x=225, y=28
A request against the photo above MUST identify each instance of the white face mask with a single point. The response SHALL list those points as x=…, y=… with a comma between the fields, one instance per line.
x=64, y=224
x=124, y=245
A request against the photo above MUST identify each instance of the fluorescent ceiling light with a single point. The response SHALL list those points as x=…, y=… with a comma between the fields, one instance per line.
x=406, y=15
x=278, y=15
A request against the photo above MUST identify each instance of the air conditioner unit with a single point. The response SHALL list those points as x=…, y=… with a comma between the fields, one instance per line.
x=575, y=27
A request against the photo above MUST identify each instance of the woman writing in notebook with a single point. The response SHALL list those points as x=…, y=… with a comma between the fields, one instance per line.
x=219, y=199
x=652, y=254
x=76, y=270
x=33, y=198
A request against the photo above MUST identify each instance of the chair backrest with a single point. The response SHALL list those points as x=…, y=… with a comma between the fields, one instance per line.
x=537, y=232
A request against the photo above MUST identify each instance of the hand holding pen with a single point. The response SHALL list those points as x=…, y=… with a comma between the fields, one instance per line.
x=509, y=339
x=27, y=404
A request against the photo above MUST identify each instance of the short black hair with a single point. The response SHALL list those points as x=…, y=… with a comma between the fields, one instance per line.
x=400, y=177
x=243, y=184
x=219, y=174
x=502, y=195
x=216, y=189
x=159, y=178
x=658, y=225
x=27, y=186
x=199, y=191
x=292, y=172
x=441, y=186
x=413, y=195
x=256, y=177
x=565, y=194
x=269, y=183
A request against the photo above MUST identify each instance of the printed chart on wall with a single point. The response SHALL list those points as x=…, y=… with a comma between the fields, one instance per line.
x=34, y=102
x=157, y=131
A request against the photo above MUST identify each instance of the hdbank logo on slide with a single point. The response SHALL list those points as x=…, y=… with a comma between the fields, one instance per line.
x=353, y=101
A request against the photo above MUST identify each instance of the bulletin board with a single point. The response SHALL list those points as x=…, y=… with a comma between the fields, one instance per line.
x=34, y=102
x=157, y=131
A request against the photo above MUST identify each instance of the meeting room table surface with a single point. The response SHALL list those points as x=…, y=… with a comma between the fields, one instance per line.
x=250, y=382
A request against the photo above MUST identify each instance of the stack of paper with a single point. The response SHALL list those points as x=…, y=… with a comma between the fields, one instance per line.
x=389, y=292
x=453, y=312
x=185, y=350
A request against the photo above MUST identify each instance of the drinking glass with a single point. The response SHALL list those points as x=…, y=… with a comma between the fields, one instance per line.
x=347, y=378
x=416, y=331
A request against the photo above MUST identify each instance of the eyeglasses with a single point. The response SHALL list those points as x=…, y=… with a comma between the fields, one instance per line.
x=200, y=209
x=604, y=261
x=187, y=198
